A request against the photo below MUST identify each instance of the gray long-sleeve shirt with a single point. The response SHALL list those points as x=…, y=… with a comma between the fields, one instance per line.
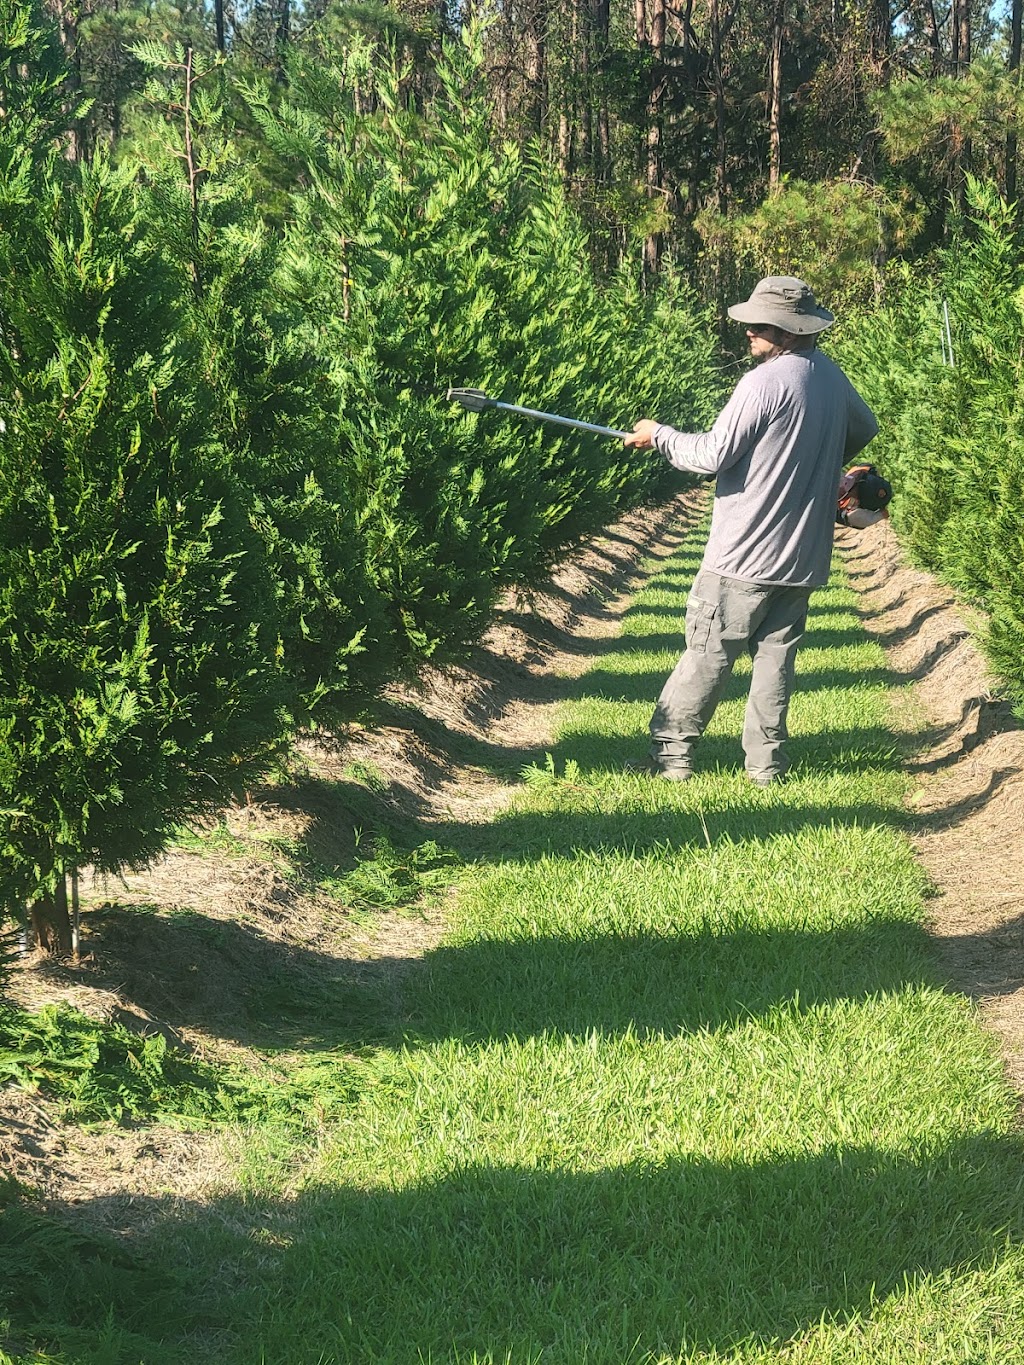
x=778, y=449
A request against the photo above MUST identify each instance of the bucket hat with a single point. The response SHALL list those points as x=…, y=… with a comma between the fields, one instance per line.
x=785, y=302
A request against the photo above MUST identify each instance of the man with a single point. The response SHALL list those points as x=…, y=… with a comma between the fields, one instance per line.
x=777, y=451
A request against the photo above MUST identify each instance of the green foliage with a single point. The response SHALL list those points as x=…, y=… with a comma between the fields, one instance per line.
x=102, y=1071
x=98, y=1071
x=139, y=642
x=388, y=876
x=34, y=99
x=267, y=397
x=935, y=119
x=547, y=775
x=684, y=1083
x=455, y=261
x=953, y=433
x=391, y=877
x=833, y=234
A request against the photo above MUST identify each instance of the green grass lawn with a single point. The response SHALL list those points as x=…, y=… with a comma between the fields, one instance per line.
x=681, y=1084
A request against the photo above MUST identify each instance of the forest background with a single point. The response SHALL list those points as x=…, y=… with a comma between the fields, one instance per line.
x=245, y=250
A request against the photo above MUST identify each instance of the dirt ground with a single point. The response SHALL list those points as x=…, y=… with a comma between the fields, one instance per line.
x=431, y=760
x=968, y=812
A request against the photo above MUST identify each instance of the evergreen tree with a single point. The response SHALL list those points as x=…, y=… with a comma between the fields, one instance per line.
x=266, y=378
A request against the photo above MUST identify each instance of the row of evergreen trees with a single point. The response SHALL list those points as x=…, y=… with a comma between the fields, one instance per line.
x=233, y=499
x=940, y=360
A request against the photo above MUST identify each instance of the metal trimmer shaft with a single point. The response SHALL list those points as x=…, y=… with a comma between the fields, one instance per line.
x=477, y=401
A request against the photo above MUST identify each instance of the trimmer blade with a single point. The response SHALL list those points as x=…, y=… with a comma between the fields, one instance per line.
x=475, y=400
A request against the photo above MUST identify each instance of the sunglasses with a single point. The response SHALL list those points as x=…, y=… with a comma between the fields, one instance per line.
x=760, y=329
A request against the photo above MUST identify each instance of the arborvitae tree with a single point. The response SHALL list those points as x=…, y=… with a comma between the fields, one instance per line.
x=952, y=416
x=232, y=497
x=140, y=673
x=269, y=399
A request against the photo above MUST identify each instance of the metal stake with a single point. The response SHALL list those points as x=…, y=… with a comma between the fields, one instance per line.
x=76, y=913
x=949, y=334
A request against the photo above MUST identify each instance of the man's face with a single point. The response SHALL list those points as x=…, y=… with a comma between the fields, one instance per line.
x=765, y=341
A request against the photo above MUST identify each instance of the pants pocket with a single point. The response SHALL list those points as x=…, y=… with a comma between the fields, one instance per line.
x=700, y=617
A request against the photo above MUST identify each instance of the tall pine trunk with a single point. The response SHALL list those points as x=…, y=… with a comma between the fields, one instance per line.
x=654, y=41
x=775, y=98
x=1010, y=178
x=721, y=138
x=600, y=19
x=960, y=46
x=535, y=41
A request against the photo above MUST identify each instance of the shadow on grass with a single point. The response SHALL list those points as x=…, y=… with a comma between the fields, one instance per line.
x=634, y=1263
x=227, y=978
x=859, y=749
x=623, y=684
x=649, y=985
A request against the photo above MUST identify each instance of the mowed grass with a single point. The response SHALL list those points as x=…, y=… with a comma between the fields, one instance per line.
x=682, y=1084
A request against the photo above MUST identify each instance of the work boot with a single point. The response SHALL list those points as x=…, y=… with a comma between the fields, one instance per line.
x=766, y=779
x=650, y=767
x=675, y=772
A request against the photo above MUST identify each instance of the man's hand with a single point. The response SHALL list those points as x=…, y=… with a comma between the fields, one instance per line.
x=642, y=435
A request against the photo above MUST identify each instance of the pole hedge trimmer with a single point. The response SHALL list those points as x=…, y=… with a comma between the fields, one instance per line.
x=475, y=400
x=863, y=494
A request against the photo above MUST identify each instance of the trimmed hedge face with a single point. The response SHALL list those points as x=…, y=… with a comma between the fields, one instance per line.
x=952, y=435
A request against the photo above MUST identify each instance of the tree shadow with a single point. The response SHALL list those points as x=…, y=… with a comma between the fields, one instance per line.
x=857, y=749
x=898, y=635
x=637, y=1262
x=986, y=965
x=238, y=979
x=644, y=684
x=650, y=985
x=229, y=979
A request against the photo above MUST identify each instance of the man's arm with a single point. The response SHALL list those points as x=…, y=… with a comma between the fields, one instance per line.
x=862, y=426
x=739, y=425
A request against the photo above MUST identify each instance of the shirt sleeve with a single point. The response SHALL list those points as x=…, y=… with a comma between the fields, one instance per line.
x=862, y=425
x=739, y=426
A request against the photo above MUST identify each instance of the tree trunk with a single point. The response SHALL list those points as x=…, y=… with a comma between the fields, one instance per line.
x=960, y=22
x=76, y=148
x=962, y=36
x=282, y=35
x=930, y=24
x=564, y=142
x=51, y=923
x=654, y=244
x=583, y=28
x=1010, y=180
x=567, y=94
x=535, y=39
x=775, y=98
x=718, y=79
x=880, y=39
x=601, y=20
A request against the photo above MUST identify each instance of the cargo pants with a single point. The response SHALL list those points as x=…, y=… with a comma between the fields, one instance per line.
x=724, y=617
